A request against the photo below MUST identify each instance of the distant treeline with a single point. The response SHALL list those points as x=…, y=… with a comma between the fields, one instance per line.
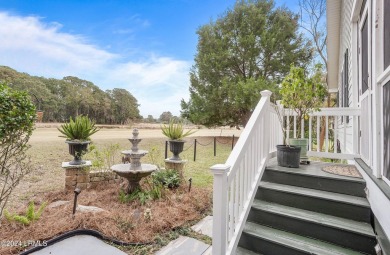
x=71, y=96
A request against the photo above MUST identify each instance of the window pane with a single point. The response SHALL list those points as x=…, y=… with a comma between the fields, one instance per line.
x=386, y=130
x=364, y=49
x=386, y=35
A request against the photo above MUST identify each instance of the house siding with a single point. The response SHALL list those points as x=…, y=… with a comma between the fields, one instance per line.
x=345, y=46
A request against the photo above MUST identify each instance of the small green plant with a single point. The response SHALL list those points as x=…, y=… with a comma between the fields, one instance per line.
x=175, y=130
x=103, y=158
x=30, y=215
x=138, y=195
x=79, y=129
x=169, y=178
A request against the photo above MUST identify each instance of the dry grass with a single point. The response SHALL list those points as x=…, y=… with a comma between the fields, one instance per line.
x=47, y=155
x=124, y=222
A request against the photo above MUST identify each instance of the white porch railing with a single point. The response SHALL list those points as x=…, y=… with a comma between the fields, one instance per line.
x=236, y=181
x=338, y=126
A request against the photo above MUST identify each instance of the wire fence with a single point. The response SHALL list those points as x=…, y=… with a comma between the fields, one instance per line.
x=214, y=143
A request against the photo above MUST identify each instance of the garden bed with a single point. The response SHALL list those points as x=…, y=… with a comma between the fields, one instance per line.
x=125, y=222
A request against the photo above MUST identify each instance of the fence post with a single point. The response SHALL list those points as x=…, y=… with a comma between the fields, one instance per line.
x=195, y=150
x=215, y=146
x=233, y=142
x=166, y=149
x=220, y=208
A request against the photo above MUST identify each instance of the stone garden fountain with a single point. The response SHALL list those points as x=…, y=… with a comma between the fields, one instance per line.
x=134, y=171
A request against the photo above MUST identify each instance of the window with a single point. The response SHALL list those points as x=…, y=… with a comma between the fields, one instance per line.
x=364, y=52
x=343, y=96
x=386, y=31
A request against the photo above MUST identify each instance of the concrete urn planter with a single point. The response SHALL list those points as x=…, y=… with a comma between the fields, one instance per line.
x=77, y=149
x=176, y=147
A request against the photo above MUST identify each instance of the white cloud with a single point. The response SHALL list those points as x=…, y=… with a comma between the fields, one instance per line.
x=29, y=45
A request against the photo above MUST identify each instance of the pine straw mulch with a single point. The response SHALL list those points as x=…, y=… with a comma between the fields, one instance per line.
x=123, y=222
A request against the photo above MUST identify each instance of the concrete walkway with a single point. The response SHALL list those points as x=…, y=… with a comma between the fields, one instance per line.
x=80, y=245
x=189, y=246
x=89, y=245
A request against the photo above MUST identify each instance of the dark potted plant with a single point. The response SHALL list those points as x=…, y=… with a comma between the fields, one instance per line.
x=303, y=95
x=77, y=134
x=286, y=155
x=175, y=132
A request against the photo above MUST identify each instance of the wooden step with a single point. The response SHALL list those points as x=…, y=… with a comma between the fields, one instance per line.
x=340, y=205
x=340, y=231
x=270, y=241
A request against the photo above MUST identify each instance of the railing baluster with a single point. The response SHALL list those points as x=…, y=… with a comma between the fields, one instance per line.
x=302, y=128
x=327, y=134
x=335, y=134
x=345, y=133
x=295, y=126
x=318, y=133
x=310, y=134
x=288, y=127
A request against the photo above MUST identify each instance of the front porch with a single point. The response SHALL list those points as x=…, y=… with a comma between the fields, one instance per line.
x=261, y=208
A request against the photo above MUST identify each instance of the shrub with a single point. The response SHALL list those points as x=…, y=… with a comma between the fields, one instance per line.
x=17, y=116
x=169, y=178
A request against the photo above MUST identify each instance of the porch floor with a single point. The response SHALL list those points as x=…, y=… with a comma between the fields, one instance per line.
x=313, y=169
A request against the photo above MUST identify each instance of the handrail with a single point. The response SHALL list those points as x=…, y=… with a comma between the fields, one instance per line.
x=235, y=182
x=329, y=127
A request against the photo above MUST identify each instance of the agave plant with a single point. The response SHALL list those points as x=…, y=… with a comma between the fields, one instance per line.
x=175, y=131
x=79, y=129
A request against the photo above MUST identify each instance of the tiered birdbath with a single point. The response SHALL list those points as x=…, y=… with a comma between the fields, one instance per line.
x=134, y=171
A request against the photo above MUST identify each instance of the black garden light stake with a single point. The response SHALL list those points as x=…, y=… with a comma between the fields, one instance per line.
x=189, y=186
x=77, y=191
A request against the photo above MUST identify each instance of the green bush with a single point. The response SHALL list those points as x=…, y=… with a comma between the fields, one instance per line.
x=17, y=113
x=17, y=116
x=169, y=178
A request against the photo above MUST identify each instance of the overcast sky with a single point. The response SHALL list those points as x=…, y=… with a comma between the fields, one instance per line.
x=144, y=46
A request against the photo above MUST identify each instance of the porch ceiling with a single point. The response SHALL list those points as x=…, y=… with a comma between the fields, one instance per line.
x=333, y=14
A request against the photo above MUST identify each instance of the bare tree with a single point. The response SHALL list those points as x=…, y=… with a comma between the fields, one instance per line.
x=313, y=16
x=313, y=21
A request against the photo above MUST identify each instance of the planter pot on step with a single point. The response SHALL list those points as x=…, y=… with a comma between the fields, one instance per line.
x=288, y=156
x=77, y=149
x=176, y=147
x=303, y=143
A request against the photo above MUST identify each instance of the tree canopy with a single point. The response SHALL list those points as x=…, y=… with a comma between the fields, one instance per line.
x=72, y=96
x=248, y=49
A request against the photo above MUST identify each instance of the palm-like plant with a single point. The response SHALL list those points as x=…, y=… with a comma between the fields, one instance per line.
x=175, y=131
x=79, y=129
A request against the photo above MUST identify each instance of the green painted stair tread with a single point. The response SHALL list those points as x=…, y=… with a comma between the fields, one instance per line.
x=337, y=197
x=243, y=251
x=315, y=217
x=314, y=170
x=295, y=242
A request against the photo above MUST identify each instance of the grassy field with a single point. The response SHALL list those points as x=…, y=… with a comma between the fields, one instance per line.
x=48, y=151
